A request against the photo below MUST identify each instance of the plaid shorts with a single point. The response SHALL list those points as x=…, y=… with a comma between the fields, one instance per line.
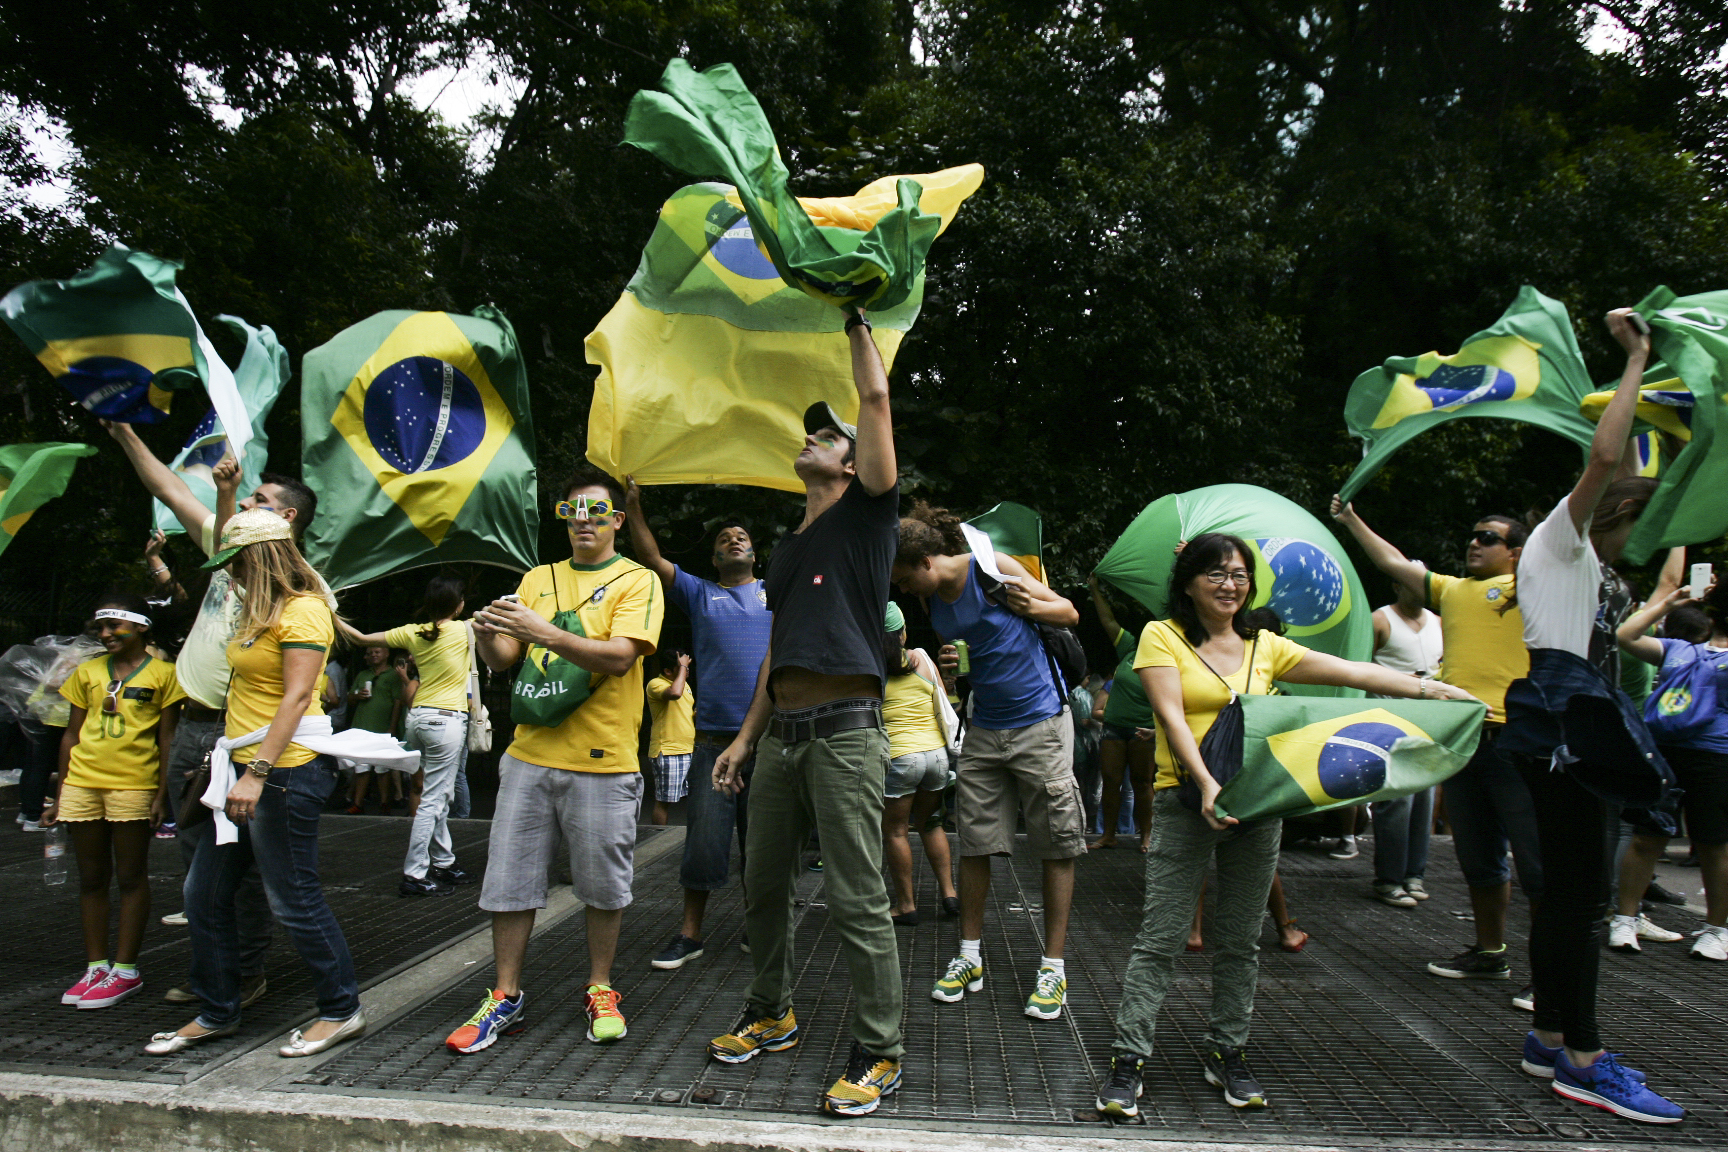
x=671, y=778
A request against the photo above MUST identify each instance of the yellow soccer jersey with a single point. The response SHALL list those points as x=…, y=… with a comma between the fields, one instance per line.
x=119, y=749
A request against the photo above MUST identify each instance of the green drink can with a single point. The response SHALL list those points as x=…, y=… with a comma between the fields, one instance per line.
x=965, y=655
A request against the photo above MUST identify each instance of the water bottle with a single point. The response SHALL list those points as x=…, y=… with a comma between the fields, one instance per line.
x=54, y=854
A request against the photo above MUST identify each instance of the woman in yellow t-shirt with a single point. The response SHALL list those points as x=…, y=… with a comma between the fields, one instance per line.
x=920, y=769
x=1191, y=665
x=114, y=790
x=436, y=727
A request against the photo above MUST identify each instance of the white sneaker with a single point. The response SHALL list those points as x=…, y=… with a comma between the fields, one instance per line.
x=31, y=826
x=1712, y=944
x=1623, y=934
x=1415, y=888
x=1648, y=929
x=1346, y=849
x=1394, y=895
x=176, y=919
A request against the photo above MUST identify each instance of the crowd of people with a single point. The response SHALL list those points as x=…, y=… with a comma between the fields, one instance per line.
x=803, y=721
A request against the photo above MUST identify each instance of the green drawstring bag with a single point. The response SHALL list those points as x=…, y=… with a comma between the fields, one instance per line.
x=549, y=688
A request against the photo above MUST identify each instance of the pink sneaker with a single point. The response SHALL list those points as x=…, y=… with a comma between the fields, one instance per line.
x=93, y=976
x=112, y=989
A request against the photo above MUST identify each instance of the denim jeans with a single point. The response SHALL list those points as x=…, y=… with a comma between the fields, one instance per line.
x=710, y=818
x=282, y=838
x=442, y=741
x=41, y=754
x=462, y=803
x=1489, y=807
x=1401, y=831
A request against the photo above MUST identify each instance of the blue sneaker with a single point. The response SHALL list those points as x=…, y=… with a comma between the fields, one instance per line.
x=498, y=1016
x=1606, y=1085
x=1539, y=1060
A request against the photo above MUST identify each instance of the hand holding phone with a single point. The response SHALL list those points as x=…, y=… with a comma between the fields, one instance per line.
x=1700, y=581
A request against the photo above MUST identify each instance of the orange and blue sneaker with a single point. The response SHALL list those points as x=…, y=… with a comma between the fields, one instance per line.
x=754, y=1035
x=499, y=1015
x=867, y=1079
x=605, y=1022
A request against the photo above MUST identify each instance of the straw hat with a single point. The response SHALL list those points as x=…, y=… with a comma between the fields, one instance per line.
x=252, y=526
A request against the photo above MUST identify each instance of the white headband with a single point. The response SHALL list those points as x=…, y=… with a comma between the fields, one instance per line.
x=122, y=614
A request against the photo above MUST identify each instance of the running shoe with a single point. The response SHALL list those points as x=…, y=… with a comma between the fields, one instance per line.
x=93, y=976
x=111, y=989
x=964, y=975
x=167, y=831
x=1712, y=944
x=1394, y=894
x=676, y=953
x=175, y=919
x=499, y=1015
x=1623, y=934
x=1227, y=1068
x=1609, y=1087
x=1539, y=1060
x=866, y=1080
x=427, y=885
x=1474, y=964
x=1648, y=929
x=1119, y=1095
x=31, y=826
x=1657, y=894
x=1416, y=888
x=1346, y=849
x=1048, y=995
x=605, y=1022
x=452, y=875
x=1525, y=999
x=753, y=1035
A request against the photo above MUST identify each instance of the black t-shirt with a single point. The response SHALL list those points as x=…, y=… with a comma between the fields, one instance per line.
x=827, y=586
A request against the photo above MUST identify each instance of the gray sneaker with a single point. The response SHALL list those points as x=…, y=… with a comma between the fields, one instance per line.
x=1395, y=895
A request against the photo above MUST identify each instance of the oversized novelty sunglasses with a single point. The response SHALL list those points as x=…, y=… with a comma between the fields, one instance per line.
x=111, y=698
x=1237, y=576
x=1487, y=539
x=585, y=509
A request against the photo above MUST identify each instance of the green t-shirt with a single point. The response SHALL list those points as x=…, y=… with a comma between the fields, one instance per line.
x=1127, y=706
x=374, y=715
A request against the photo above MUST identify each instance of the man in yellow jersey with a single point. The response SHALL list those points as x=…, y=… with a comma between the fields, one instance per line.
x=1488, y=803
x=601, y=613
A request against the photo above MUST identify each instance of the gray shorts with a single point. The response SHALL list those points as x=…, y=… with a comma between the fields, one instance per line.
x=1003, y=771
x=597, y=813
x=918, y=772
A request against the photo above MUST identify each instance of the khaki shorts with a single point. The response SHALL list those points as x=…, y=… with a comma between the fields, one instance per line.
x=113, y=804
x=1030, y=768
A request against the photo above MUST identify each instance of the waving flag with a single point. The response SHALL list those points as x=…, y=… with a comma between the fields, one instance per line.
x=1300, y=570
x=708, y=124
x=1018, y=531
x=30, y=476
x=263, y=370
x=1526, y=367
x=1302, y=755
x=1690, y=333
x=709, y=358
x=419, y=444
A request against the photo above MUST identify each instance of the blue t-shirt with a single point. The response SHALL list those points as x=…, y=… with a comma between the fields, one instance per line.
x=1677, y=655
x=731, y=638
x=1011, y=685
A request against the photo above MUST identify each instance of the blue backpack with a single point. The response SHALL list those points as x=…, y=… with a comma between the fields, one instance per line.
x=1684, y=703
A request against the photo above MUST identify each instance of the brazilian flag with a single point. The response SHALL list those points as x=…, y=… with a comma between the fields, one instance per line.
x=30, y=476
x=1302, y=754
x=709, y=358
x=1526, y=367
x=1690, y=333
x=419, y=445
x=118, y=336
x=1301, y=571
x=1017, y=531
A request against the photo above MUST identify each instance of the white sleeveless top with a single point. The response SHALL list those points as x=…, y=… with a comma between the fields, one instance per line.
x=1409, y=650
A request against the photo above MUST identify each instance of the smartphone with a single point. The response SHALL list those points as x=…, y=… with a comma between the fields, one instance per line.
x=1640, y=323
x=511, y=597
x=1700, y=580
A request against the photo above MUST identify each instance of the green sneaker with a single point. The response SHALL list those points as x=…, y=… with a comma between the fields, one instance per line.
x=605, y=1022
x=963, y=976
x=1047, y=997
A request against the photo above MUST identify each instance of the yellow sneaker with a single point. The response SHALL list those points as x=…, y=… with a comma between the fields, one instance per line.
x=868, y=1078
x=963, y=976
x=605, y=1022
x=755, y=1034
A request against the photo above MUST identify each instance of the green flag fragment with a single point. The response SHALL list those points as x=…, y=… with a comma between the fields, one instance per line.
x=1016, y=530
x=30, y=476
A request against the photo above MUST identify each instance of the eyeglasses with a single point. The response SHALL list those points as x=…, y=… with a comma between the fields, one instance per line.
x=1236, y=576
x=585, y=508
x=1487, y=539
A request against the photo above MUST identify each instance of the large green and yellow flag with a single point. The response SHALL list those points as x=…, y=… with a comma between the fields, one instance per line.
x=1690, y=333
x=258, y=380
x=419, y=445
x=1525, y=367
x=707, y=124
x=709, y=358
x=1302, y=755
x=30, y=476
x=1017, y=531
x=1301, y=571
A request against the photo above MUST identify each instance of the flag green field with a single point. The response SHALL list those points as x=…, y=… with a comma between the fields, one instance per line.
x=30, y=476
x=1525, y=367
x=1302, y=755
x=1017, y=531
x=419, y=444
x=1301, y=571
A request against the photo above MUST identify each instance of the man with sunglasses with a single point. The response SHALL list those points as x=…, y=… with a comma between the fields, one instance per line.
x=578, y=774
x=729, y=622
x=1488, y=803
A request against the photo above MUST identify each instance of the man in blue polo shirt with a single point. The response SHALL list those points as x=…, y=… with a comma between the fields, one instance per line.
x=730, y=623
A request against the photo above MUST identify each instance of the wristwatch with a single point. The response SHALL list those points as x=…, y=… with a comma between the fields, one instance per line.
x=856, y=320
x=260, y=769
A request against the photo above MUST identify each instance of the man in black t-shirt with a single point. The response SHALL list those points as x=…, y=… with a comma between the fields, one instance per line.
x=823, y=752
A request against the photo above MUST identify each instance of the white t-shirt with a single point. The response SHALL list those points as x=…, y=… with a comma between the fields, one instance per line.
x=1559, y=585
x=202, y=666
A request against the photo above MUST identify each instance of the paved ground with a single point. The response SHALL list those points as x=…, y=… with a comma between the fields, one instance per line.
x=1355, y=1044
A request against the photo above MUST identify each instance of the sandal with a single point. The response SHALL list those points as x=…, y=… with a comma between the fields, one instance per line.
x=1296, y=947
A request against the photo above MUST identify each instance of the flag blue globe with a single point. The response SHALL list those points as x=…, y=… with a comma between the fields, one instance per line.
x=1309, y=589
x=423, y=413
x=1353, y=762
